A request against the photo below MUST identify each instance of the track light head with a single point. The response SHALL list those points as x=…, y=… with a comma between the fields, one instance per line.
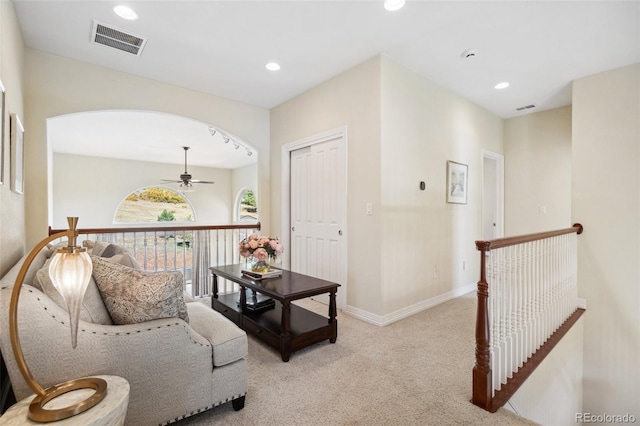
x=227, y=139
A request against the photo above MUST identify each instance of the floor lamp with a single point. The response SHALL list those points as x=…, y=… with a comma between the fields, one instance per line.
x=70, y=272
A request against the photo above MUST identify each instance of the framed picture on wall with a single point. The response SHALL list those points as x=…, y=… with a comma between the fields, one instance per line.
x=457, y=179
x=17, y=154
x=1, y=134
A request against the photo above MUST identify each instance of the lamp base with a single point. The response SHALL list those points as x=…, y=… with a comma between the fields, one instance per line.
x=38, y=413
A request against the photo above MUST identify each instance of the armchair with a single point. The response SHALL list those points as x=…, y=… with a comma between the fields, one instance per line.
x=175, y=368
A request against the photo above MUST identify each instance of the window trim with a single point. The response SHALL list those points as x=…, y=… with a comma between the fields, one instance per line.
x=236, y=207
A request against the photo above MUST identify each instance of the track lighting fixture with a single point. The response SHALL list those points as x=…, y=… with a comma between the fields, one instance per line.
x=226, y=139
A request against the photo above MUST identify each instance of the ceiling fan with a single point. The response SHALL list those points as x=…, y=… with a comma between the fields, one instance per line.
x=185, y=180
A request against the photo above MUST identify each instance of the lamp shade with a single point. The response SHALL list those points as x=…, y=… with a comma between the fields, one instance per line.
x=70, y=272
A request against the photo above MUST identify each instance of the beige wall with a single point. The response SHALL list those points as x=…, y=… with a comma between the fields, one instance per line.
x=537, y=149
x=12, y=205
x=107, y=181
x=401, y=129
x=351, y=99
x=57, y=86
x=606, y=200
x=423, y=126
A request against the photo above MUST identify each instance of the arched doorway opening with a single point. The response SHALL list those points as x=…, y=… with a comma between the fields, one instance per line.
x=100, y=157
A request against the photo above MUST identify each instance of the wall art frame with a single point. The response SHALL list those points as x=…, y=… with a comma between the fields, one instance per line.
x=17, y=154
x=2, y=131
x=457, y=182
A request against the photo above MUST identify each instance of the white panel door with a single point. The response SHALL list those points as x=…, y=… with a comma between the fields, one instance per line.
x=492, y=195
x=317, y=207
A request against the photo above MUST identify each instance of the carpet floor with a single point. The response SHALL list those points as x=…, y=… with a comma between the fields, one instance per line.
x=416, y=371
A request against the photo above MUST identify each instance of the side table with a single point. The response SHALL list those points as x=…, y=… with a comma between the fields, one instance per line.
x=111, y=411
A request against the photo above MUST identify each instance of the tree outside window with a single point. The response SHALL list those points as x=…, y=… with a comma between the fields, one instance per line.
x=248, y=207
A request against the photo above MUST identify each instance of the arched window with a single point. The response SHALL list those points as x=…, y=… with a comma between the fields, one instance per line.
x=246, y=206
x=154, y=204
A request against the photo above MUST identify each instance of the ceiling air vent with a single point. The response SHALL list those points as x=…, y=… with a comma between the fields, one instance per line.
x=525, y=107
x=117, y=38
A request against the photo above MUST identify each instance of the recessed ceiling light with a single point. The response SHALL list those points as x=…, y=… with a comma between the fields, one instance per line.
x=125, y=13
x=272, y=66
x=502, y=85
x=393, y=5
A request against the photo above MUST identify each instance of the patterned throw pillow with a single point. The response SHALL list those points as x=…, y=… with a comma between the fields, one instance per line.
x=133, y=296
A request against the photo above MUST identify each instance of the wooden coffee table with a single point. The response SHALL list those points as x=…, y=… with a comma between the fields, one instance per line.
x=287, y=327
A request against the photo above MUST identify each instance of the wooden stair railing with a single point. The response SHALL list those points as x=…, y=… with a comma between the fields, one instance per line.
x=90, y=231
x=487, y=394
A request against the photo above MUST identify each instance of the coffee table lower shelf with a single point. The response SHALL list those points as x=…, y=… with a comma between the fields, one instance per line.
x=306, y=327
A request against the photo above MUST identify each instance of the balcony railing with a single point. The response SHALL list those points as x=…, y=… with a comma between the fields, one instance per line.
x=527, y=301
x=189, y=249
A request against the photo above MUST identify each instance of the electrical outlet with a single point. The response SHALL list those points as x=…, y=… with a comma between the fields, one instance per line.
x=464, y=265
x=435, y=271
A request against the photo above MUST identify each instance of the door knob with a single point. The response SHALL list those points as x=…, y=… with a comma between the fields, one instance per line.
x=340, y=232
x=293, y=228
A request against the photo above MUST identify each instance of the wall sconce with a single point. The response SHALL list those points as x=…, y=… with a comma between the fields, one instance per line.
x=70, y=272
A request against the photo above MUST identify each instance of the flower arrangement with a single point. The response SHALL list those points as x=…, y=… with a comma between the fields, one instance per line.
x=261, y=247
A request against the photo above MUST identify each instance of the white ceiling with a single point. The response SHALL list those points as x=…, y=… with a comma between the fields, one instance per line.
x=148, y=136
x=221, y=47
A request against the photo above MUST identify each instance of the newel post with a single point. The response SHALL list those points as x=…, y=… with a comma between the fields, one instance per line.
x=482, y=383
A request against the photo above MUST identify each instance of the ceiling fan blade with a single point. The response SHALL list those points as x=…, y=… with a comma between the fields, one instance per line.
x=171, y=180
x=201, y=181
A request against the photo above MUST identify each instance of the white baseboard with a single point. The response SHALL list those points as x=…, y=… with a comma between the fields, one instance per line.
x=582, y=303
x=384, y=320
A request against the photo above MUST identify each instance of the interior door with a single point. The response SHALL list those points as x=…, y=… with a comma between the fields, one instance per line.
x=317, y=207
x=492, y=195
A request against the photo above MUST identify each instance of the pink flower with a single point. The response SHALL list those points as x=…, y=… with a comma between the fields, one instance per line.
x=260, y=254
x=260, y=247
